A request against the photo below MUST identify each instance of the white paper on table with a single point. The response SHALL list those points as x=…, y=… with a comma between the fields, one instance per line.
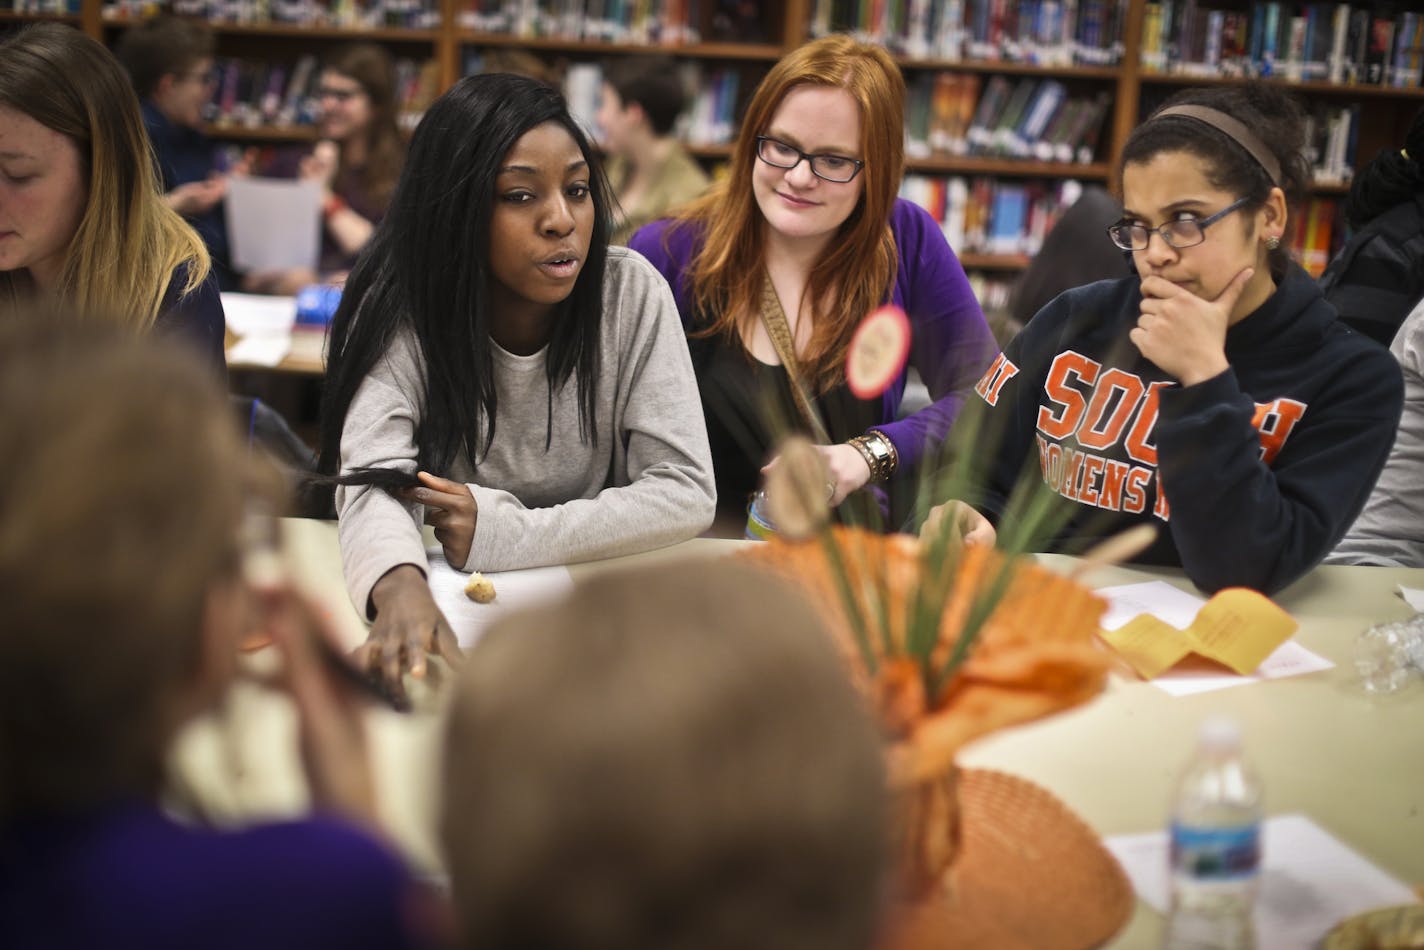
x=273, y=223
x=1179, y=609
x=1289, y=659
x=1158, y=598
x=1412, y=596
x=512, y=590
x=259, y=314
x=1310, y=881
x=259, y=350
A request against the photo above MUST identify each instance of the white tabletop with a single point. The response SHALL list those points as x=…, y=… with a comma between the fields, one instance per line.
x=1352, y=762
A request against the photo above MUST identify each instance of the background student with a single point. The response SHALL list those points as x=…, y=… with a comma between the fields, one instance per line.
x=651, y=173
x=121, y=559
x=170, y=61
x=83, y=222
x=1378, y=275
x=806, y=233
x=1390, y=530
x=1215, y=393
x=357, y=162
x=671, y=757
x=490, y=340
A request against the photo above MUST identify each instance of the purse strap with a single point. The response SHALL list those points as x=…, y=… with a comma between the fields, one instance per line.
x=773, y=317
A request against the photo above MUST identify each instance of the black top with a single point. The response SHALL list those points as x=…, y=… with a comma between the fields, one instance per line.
x=186, y=155
x=1378, y=276
x=196, y=318
x=1265, y=465
x=747, y=403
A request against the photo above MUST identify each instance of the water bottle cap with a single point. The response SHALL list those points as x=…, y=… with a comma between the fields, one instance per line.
x=1220, y=734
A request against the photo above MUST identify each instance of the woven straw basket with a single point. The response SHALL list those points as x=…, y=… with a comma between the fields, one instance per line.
x=1034, y=656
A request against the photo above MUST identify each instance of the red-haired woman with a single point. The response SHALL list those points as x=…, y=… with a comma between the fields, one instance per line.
x=809, y=211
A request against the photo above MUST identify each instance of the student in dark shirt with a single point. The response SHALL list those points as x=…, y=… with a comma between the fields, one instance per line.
x=1215, y=394
x=170, y=61
x=1378, y=276
x=82, y=220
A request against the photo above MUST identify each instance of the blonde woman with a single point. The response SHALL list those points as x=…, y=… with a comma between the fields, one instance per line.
x=809, y=210
x=82, y=220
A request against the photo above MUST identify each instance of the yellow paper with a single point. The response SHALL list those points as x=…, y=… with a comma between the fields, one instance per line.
x=1237, y=628
x=1240, y=628
x=1149, y=645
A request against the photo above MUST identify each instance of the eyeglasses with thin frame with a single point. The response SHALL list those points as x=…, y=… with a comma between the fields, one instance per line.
x=1186, y=232
x=836, y=168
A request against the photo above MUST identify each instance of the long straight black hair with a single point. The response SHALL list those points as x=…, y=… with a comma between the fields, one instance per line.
x=426, y=269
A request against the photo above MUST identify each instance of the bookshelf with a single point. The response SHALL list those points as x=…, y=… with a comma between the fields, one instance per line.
x=1130, y=54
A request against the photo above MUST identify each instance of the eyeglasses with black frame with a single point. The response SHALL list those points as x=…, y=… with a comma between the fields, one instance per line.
x=1186, y=232
x=835, y=168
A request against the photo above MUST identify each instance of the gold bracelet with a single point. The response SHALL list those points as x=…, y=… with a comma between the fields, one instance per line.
x=893, y=452
x=879, y=454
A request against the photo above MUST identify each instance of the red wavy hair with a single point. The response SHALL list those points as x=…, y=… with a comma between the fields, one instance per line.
x=856, y=272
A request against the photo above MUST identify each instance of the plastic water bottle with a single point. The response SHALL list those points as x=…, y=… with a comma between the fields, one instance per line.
x=1216, y=845
x=759, y=524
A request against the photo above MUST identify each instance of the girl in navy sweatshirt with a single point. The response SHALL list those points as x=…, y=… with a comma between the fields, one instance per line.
x=1215, y=394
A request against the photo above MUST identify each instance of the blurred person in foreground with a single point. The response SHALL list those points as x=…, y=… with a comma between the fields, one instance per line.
x=670, y=758
x=124, y=499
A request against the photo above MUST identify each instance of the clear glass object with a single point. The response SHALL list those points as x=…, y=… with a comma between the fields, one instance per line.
x=1215, y=845
x=1387, y=653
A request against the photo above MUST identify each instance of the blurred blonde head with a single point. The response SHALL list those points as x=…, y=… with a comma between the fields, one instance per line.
x=120, y=500
x=670, y=758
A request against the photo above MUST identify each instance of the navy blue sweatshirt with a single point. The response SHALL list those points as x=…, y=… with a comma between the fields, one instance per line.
x=1253, y=475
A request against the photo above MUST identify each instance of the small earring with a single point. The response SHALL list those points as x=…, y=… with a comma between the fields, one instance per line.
x=1273, y=242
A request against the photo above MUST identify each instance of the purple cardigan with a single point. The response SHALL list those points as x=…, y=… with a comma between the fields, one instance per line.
x=128, y=876
x=951, y=345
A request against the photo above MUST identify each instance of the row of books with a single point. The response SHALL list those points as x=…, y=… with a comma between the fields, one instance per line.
x=665, y=22
x=1026, y=119
x=984, y=215
x=253, y=94
x=709, y=119
x=1301, y=42
x=367, y=14
x=1318, y=234
x=1045, y=32
x=49, y=7
x=1332, y=133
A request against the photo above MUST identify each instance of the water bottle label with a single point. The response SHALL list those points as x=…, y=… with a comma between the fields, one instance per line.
x=1216, y=854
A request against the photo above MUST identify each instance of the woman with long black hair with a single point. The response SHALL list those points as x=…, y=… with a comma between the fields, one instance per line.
x=489, y=342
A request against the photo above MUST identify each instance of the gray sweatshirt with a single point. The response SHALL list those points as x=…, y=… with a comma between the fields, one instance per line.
x=645, y=482
x=1390, y=530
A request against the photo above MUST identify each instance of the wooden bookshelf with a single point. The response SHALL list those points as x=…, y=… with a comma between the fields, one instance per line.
x=261, y=133
x=756, y=52
x=998, y=262
x=1348, y=90
x=972, y=165
x=784, y=24
x=10, y=16
x=1010, y=68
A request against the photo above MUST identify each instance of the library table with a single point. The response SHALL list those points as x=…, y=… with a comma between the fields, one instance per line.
x=1351, y=762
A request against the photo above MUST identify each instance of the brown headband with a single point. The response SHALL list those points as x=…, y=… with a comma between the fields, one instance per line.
x=1234, y=130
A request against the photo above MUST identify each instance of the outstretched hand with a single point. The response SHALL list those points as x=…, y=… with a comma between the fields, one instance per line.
x=408, y=626
x=1185, y=334
x=964, y=522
